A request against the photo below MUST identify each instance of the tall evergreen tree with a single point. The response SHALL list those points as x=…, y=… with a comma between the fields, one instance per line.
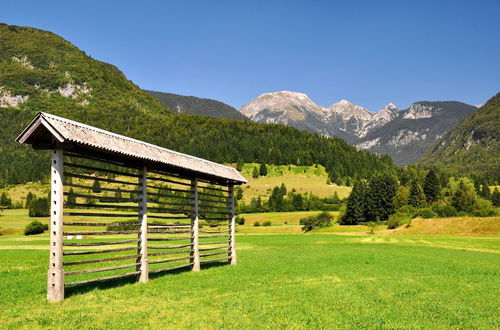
x=356, y=204
x=380, y=196
x=417, y=196
x=71, y=198
x=431, y=186
x=255, y=173
x=263, y=169
x=29, y=198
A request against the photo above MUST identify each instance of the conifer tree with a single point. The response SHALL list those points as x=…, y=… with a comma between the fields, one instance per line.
x=239, y=193
x=431, y=186
x=380, y=196
x=464, y=197
x=356, y=204
x=417, y=196
x=96, y=187
x=29, y=198
x=71, y=197
x=255, y=173
x=263, y=169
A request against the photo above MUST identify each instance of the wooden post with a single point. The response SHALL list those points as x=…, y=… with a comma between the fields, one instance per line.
x=143, y=220
x=232, y=226
x=55, y=282
x=195, y=249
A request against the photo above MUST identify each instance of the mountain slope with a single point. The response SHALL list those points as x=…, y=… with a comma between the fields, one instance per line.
x=411, y=132
x=40, y=71
x=197, y=106
x=472, y=146
x=403, y=134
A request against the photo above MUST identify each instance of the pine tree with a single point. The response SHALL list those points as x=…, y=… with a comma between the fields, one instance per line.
x=263, y=169
x=356, y=204
x=71, y=197
x=96, y=187
x=239, y=193
x=283, y=189
x=379, y=197
x=5, y=201
x=255, y=173
x=239, y=166
x=431, y=187
x=495, y=197
x=417, y=196
x=29, y=198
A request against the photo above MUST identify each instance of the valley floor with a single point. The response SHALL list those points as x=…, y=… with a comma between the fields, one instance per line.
x=290, y=280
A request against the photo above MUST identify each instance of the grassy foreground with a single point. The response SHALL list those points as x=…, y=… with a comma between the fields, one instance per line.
x=297, y=281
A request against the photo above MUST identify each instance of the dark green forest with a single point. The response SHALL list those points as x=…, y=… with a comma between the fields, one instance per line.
x=39, y=66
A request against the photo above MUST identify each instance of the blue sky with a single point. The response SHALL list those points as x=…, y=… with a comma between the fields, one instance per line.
x=369, y=52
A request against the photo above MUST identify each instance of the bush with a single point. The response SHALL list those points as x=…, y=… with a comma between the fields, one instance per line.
x=266, y=223
x=240, y=220
x=426, y=213
x=33, y=228
x=256, y=224
x=321, y=220
x=444, y=211
x=398, y=219
x=39, y=208
x=483, y=208
x=45, y=227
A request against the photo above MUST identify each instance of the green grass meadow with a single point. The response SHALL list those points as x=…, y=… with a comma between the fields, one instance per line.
x=315, y=280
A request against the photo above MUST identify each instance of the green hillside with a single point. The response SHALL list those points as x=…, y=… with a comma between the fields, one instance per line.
x=473, y=146
x=40, y=71
x=198, y=106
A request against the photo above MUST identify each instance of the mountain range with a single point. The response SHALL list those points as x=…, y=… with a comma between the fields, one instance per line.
x=403, y=134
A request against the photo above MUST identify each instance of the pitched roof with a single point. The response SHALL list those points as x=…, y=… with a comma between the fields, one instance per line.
x=68, y=131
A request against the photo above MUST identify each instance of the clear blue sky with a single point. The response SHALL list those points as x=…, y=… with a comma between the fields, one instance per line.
x=369, y=52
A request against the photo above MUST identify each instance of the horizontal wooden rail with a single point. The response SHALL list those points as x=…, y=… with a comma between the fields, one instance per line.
x=106, y=269
x=213, y=236
x=189, y=204
x=113, y=277
x=117, y=199
x=169, y=231
x=168, y=210
x=77, y=253
x=102, y=243
x=212, y=195
x=169, y=239
x=85, y=167
x=167, y=189
x=169, y=247
x=215, y=260
x=169, y=181
x=100, y=233
x=98, y=159
x=213, y=188
x=211, y=243
x=168, y=260
x=213, y=232
x=82, y=262
x=168, y=253
x=95, y=178
x=112, y=215
x=225, y=246
x=168, y=226
x=102, y=206
x=170, y=268
x=101, y=224
x=152, y=216
x=212, y=254
x=102, y=188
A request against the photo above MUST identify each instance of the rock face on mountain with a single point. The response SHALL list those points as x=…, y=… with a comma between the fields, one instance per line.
x=403, y=134
x=472, y=146
x=198, y=106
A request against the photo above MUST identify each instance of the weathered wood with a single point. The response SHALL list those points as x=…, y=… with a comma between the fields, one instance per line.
x=170, y=203
x=168, y=217
x=170, y=210
x=168, y=181
x=78, y=253
x=212, y=243
x=170, y=268
x=99, y=233
x=113, y=277
x=98, y=270
x=98, y=169
x=167, y=189
x=232, y=228
x=169, y=247
x=101, y=206
x=214, y=232
x=216, y=208
x=102, y=243
x=82, y=262
x=213, y=236
x=169, y=260
x=225, y=246
x=168, y=253
x=117, y=199
x=214, y=224
x=55, y=278
x=143, y=234
x=101, y=224
x=95, y=178
x=111, y=215
x=96, y=158
x=170, y=239
x=213, y=188
x=102, y=188
x=169, y=226
x=195, y=254
x=214, y=218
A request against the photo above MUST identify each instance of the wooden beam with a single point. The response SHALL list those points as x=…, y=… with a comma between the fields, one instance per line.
x=143, y=235
x=55, y=281
x=232, y=226
x=195, y=221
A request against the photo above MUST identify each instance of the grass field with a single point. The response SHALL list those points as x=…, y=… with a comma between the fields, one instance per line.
x=281, y=281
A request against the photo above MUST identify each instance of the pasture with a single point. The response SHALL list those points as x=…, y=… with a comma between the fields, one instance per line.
x=287, y=280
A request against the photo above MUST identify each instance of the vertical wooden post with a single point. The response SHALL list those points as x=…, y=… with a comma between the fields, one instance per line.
x=232, y=226
x=195, y=248
x=143, y=220
x=55, y=282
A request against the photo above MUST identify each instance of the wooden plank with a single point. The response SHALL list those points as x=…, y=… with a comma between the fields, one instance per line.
x=95, y=158
x=117, y=199
x=169, y=260
x=78, y=253
x=99, y=233
x=225, y=246
x=211, y=243
x=95, y=178
x=143, y=234
x=213, y=236
x=213, y=188
x=170, y=203
x=168, y=217
x=232, y=227
x=169, y=247
x=85, y=167
x=213, y=232
x=101, y=224
x=170, y=239
x=169, y=226
x=87, y=214
x=98, y=270
x=170, y=268
x=168, y=253
x=82, y=262
x=168, y=181
x=102, y=188
x=101, y=206
x=102, y=279
x=102, y=243
x=169, y=232
x=169, y=210
x=167, y=189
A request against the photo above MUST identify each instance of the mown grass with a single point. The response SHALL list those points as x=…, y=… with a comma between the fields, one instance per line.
x=281, y=281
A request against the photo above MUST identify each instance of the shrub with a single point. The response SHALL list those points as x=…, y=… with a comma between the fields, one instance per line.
x=266, y=223
x=256, y=224
x=321, y=220
x=444, y=211
x=483, y=208
x=240, y=220
x=398, y=219
x=39, y=207
x=45, y=227
x=33, y=228
x=426, y=213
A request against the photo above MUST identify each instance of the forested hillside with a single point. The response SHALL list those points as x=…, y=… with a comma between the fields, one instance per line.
x=473, y=146
x=40, y=71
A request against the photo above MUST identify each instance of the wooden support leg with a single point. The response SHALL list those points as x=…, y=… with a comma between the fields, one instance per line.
x=143, y=220
x=195, y=248
x=232, y=226
x=55, y=281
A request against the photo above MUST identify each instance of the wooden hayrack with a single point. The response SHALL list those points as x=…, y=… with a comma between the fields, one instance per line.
x=134, y=207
